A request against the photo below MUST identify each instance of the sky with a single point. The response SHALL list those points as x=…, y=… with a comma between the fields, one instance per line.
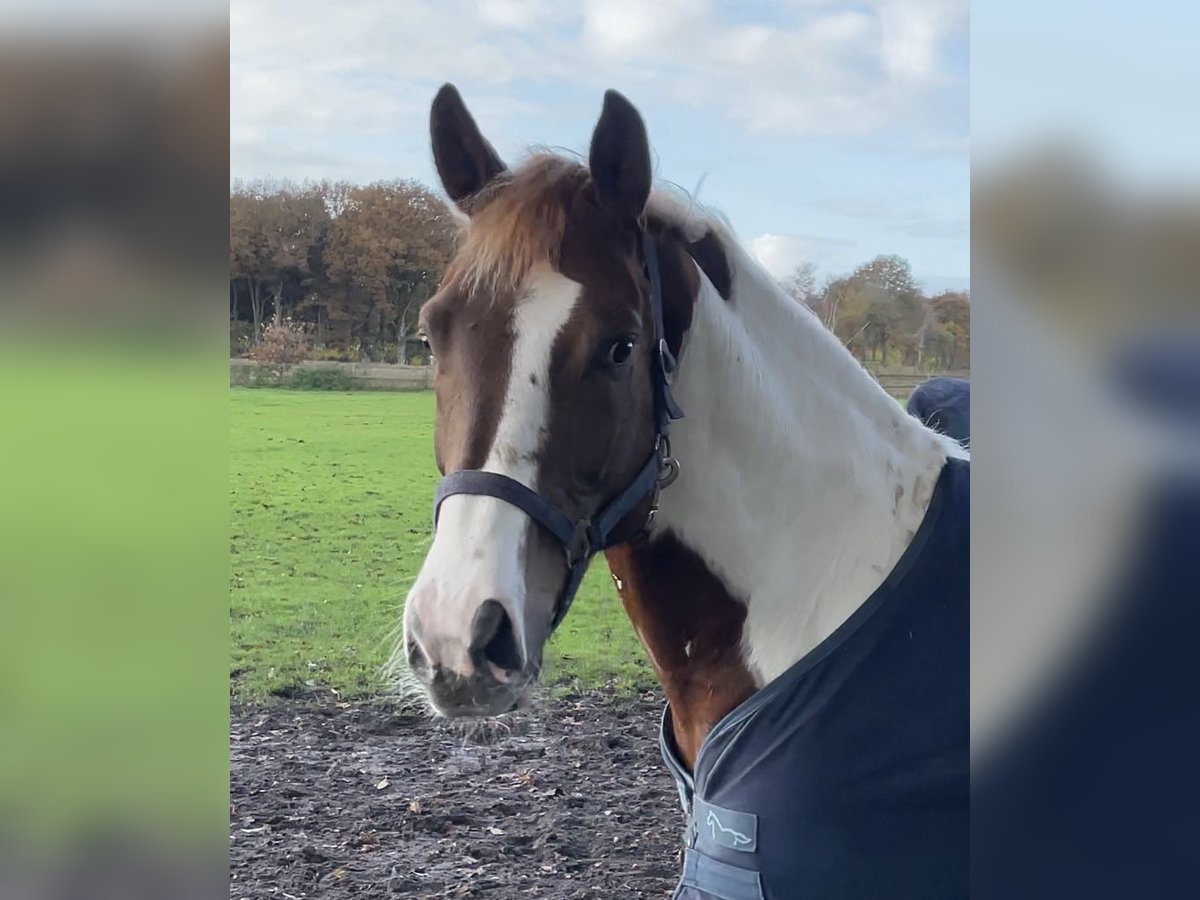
x=825, y=132
x=1122, y=95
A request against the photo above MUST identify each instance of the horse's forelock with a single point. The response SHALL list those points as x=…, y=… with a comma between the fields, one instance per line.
x=516, y=224
x=519, y=220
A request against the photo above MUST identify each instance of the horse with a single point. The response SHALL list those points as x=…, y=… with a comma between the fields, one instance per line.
x=615, y=373
x=944, y=404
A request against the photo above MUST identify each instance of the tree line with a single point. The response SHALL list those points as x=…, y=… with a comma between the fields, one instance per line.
x=350, y=265
x=881, y=314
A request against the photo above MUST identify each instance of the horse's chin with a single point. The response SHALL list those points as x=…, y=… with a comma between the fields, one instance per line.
x=500, y=700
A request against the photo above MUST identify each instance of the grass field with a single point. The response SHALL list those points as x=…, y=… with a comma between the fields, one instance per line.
x=330, y=520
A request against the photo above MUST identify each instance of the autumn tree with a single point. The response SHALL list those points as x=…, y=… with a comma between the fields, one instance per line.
x=273, y=230
x=895, y=311
x=296, y=221
x=336, y=196
x=349, y=264
x=385, y=254
x=952, y=312
x=249, y=256
x=284, y=343
x=844, y=304
x=890, y=274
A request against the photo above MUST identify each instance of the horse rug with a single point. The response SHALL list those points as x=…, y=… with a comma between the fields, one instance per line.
x=848, y=776
x=944, y=404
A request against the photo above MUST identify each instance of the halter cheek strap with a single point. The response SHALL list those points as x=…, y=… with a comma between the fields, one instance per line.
x=582, y=538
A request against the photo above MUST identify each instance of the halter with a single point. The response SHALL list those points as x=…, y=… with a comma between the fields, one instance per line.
x=583, y=538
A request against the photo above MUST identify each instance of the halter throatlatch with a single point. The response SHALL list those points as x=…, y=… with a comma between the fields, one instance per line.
x=581, y=539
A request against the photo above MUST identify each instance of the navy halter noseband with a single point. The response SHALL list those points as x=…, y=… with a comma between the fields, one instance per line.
x=583, y=538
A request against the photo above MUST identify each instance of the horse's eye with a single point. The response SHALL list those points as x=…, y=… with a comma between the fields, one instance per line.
x=620, y=352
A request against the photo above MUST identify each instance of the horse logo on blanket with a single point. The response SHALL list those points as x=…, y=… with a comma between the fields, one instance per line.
x=715, y=824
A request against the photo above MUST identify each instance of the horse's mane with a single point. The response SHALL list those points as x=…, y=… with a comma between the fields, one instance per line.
x=675, y=208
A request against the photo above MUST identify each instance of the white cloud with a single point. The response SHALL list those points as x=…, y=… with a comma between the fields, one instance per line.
x=778, y=254
x=517, y=13
x=830, y=68
x=303, y=72
x=308, y=74
x=782, y=254
x=620, y=29
x=911, y=33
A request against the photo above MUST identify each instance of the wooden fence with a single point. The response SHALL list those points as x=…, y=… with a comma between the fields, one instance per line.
x=372, y=376
x=901, y=384
x=388, y=377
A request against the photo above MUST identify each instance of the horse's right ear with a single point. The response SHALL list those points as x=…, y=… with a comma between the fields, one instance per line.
x=465, y=160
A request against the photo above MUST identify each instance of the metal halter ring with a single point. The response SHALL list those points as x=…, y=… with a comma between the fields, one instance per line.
x=668, y=465
x=668, y=471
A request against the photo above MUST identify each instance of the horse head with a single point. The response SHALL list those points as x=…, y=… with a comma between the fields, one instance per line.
x=545, y=344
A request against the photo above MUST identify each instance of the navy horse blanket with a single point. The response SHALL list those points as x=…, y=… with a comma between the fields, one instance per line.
x=848, y=776
x=944, y=404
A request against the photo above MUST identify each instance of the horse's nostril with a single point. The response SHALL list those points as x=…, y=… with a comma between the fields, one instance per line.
x=502, y=648
x=493, y=636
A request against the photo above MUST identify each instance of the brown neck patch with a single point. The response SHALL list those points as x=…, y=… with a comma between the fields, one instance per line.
x=692, y=629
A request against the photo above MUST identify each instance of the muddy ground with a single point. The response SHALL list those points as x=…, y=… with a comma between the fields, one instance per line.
x=569, y=800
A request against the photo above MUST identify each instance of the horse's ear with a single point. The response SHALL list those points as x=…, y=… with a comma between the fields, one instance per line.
x=710, y=257
x=620, y=158
x=465, y=160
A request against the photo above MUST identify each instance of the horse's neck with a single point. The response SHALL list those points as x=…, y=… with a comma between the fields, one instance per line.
x=689, y=624
x=802, y=484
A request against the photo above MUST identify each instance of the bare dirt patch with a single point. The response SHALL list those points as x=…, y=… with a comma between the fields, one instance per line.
x=570, y=799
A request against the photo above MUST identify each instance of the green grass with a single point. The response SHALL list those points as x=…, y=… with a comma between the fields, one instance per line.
x=330, y=507
x=302, y=379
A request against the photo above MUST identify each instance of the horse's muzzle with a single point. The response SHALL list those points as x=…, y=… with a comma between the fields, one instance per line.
x=478, y=695
x=496, y=677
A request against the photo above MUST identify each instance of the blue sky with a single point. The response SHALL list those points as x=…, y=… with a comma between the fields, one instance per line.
x=826, y=132
x=1122, y=92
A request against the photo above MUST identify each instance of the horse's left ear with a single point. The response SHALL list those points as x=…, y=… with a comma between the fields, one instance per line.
x=620, y=158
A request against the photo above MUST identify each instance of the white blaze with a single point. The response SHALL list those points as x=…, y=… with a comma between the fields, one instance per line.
x=478, y=551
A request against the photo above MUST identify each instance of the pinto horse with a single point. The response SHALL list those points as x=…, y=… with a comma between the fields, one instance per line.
x=614, y=372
